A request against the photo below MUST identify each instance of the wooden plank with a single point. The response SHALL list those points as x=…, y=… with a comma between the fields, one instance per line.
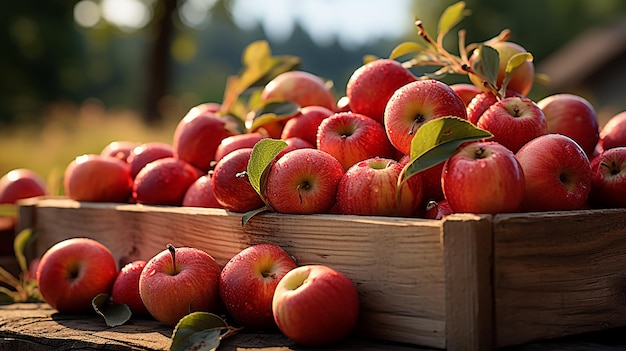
x=558, y=274
x=467, y=242
x=396, y=263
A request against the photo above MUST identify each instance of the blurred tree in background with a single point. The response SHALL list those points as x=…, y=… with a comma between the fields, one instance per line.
x=164, y=65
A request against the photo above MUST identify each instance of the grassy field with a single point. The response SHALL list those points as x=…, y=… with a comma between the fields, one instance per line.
x=65, y=132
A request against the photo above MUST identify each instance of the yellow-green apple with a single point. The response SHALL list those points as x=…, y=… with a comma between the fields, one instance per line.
x=237, y=141
x=466, y=91
x=523, y=77
x=164, y=182
x=369, y=187
x=119, y=148
x=198, y=134
x=608, y=178
x=145, y=153
x=73, y=271
x=21, y=183
x=557, y=173
x=438, y=209
x=200, y=194
x=316, y=305
x=300, y=87
x=371, y=85
x=613, y=133
x=416, y=103
x=248, y=281
x=574, y=116
x=304, y=124
x=352, y=137
x=483, y=177
x=97, y=178
x=125, y=289
x=178, y=281
x=230, y=183
x=303, y=181
x=514, y=121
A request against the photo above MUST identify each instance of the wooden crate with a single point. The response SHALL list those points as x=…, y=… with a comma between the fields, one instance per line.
x=469, y=282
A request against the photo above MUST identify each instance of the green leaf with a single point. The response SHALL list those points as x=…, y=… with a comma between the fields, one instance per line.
x=450, y=17
x=513, y=64
x=405, y=48
x=437, y=140
x=19, y=246
x=248, y=215
x=8, y=210
x=198, y=331
x=262, y=155
x=114, y=314
x=487, y=64
x=369, y=58
x=274, y=111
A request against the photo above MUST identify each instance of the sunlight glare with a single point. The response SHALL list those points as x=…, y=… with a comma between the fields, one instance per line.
x=86, y=13
x=128, y=15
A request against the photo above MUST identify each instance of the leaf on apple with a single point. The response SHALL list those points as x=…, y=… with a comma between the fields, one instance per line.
x=514, y=62
x=198, y=331
x=262, y=155
x=450, y=17
x=436, y=141
x=487, y=64
x=114, y=314
x=274, y=111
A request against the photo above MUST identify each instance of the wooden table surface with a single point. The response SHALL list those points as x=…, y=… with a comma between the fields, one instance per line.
x=38, y=327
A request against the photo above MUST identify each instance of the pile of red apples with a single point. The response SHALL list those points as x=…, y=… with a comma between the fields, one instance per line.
x=344, y=156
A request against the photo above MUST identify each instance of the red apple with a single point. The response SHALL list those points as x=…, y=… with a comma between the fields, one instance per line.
x=304, y=125
x=294, y=143
x=352, y=137
x=370, y=187
x=300, y=87
x=371, y=85
x=21, y=183
x=248, y=282
x=514, y=121
x=72, y=272
x=481, y=103
x=416, y=103
x=146, y=153
x=438, y=209
x=98, y=178
x=466, y=91
x=613, y=133
x=237, y=141
x=120, y=149
x=178, y=281
x=164, y=182
x=200, y=194
x=198, y=135
x=303, y=181
x=523, y=77
x=431, y=180
x=557, y=173
x=126, y=288
x=483, y=177
x=608, y=178
x=315, y=305
x=574, y=116
x=230, y=183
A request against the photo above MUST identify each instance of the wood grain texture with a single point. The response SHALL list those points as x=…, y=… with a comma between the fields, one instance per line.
x=558, y=274
x=468, y=249
x=396, y=264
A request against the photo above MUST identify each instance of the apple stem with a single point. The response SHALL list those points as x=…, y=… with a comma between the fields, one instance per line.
x=172, y=251
x=299, y=188
x=418, y=119
x=480, y=152
x=612, y=168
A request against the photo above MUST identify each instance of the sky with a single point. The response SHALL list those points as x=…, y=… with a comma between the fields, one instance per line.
x=352, y=23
